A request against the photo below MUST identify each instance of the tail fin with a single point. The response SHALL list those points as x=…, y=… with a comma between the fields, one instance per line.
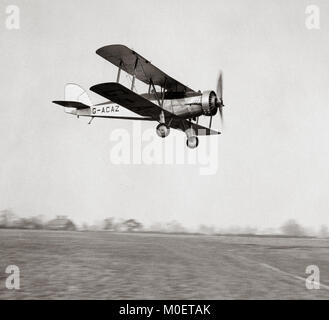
x=74, y=92
x=75, y=97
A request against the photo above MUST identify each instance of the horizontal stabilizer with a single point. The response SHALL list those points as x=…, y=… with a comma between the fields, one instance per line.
x=72, y=104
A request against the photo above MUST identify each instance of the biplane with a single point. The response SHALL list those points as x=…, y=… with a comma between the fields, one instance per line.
x=168, y=102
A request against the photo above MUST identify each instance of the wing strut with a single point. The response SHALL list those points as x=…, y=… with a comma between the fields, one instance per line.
x=159, y=100
x=119, y=72
x=134, y=75
x=155, y=92
x=210, y=122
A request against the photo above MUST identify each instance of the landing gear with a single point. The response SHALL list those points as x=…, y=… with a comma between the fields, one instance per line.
x=162, y=130
x=192, y=142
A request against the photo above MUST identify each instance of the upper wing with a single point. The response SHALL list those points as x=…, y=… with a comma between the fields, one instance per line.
x=123, y=57
x=123, y=96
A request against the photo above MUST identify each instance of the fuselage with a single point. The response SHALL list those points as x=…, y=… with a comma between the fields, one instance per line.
x=186, y=108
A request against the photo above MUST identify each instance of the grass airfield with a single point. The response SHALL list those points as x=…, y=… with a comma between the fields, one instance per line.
x=104, y=265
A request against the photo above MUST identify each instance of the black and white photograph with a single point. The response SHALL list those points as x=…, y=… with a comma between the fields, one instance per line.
x=164, y=151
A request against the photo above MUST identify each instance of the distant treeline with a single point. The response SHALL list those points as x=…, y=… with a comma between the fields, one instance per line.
x=8, y=220
x=291, y=228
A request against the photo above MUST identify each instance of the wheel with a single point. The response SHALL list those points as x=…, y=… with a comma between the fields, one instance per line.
x=192, y=142
x=162, y=130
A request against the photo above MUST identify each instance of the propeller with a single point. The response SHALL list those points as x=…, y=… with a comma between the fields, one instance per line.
x=219, y=92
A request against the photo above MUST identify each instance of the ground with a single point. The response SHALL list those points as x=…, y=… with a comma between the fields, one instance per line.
x=104, y=265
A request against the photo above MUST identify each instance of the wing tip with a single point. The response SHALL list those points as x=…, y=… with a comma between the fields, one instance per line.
x=103, y=85
x=118, y=45
x=60, y=103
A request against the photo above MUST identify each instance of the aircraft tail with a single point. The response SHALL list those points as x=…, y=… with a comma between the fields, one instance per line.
x=75, y=98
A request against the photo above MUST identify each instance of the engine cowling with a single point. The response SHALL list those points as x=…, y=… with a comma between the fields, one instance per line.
x=203, y=104
x=208, y=103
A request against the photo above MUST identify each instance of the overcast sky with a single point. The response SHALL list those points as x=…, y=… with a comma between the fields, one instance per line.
x=273, y=156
